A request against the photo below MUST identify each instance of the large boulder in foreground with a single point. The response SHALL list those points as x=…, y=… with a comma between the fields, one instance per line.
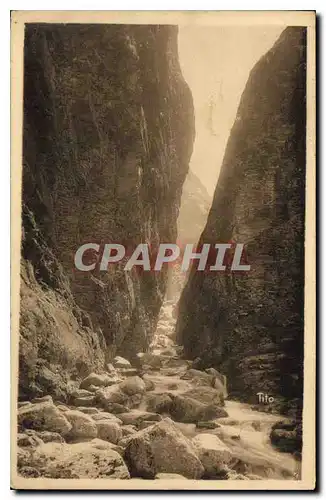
x=213, y=454
x=162, y=448
x=43, y=417
x=91, y=460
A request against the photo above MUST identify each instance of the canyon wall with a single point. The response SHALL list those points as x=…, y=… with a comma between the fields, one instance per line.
x=108, y=134
x=250, y=325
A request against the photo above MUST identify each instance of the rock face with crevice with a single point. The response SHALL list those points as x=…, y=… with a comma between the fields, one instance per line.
x=250, y=325
x=108, y=133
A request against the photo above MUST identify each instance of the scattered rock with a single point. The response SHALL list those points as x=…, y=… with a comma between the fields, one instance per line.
x=133, y=385
x=286, y=441
x=162, y=448
x=134, y=417
x=90, y=460
x=116, y=408
x=120, y=362
x=106, y=416
x=83, y=426
x=198, y=377
x=43, y=399
x=80, y=393
x=212, y=452
x=27, y=471
x=159, y=403
x=110, y=395
x=189, y=410
x=149, y=384
x=206, y=395
x=96, y=380
x=44, y=417
x=128, y=430
x=109, y=431
x=88, y=411
x=24, y=439
x=85, y=401
x=49, y=437
x=63, y=408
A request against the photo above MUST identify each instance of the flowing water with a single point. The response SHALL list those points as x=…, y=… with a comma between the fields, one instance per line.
x=245, y=431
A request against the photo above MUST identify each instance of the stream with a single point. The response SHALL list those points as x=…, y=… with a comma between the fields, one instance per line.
x=245, y=431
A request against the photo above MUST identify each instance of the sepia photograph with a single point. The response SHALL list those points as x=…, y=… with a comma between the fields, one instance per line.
x=163, y=250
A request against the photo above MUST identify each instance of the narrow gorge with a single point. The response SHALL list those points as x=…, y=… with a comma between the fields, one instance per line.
x=120, y=376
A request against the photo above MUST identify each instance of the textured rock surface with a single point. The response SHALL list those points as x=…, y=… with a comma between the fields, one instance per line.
x=43, y=417
x=250, y=325
x=95, y=459
x=162, y=448
x=108, y=132
x=213, y=453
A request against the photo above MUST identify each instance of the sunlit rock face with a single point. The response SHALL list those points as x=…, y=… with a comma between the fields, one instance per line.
x=250, y=325
x=108, y=134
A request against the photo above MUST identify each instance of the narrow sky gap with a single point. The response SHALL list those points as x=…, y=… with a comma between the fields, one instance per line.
x=216, y=63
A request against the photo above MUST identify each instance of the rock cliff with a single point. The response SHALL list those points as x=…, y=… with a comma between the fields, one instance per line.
x=108, y=133
x=250, y=325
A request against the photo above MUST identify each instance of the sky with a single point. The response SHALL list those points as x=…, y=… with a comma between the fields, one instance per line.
x=216, y=62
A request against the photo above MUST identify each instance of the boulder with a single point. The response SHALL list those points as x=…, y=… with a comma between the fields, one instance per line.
x=44, y=417
x=43, y=399
x=116, y=408
x=198, y=377
x=106, y=416
x=63, y=408
x=27, y=471
x=91, y=460
x=149, y=384
x=88, y=411
x=213, y=454
x=83, y=426
x=80, y=393
x=162, y=448
x=49, y=437
x=133, y=385
x=108, y=431
x=189, y=410
x=134, y=417
x=96, y=380
x=109, y=395
x=120, y=362
x=128, y=430
x=286, y=441
x=159, y=403
x=85, y=401
x=206, y=395
x=24, y=439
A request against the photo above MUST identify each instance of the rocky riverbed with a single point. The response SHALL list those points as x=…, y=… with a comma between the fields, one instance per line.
x=161, y=419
